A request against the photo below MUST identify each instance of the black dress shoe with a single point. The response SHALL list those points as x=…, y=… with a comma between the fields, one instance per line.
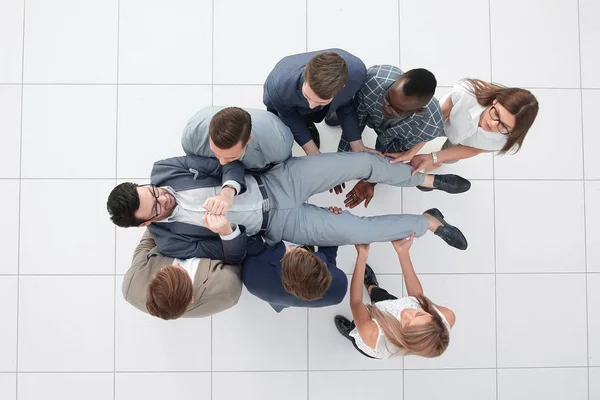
x=424, y=189
x=344, y=326
x=332, y=119
x=449, y=233
x=448, y=183
x=314, y=132
x=370, y=278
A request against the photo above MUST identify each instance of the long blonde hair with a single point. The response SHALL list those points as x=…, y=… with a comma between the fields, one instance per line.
x=429, y=340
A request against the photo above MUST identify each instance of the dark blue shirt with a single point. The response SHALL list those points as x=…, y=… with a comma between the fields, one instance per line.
x=261, y=273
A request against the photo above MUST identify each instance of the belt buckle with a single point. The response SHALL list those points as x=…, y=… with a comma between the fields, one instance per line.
x=266, y=206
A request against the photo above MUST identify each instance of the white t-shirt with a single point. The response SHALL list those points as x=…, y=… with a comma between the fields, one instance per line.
x=190, y=265
x=384, y=349
x=461, y=127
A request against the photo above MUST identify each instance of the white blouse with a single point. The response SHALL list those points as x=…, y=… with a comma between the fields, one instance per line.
x=383, y=349
x=461, y=127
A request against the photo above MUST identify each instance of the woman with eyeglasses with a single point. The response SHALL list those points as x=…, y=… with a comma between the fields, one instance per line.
x=481, y=117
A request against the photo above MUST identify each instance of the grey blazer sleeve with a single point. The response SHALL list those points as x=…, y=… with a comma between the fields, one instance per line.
x=172, y=244
x=164, y=170
x=134, y=290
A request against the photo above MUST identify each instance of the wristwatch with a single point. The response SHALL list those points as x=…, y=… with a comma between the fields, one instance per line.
x=434, y=156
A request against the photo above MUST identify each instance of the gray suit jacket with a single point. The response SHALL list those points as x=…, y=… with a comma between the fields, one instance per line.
x=271, y=140
x=217, y=286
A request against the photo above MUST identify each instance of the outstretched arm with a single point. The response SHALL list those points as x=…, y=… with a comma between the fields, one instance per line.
x=413, y=285
x=367, y=329
x=402, y=247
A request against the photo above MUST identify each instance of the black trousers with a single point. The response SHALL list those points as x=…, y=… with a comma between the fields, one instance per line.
x=377, y=294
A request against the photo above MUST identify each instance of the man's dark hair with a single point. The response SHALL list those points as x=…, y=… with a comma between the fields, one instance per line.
x=419, y=82
x=229, y=127
x=123, y=202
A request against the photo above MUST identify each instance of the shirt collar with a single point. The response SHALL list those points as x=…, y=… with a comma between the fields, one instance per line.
x=475, y=112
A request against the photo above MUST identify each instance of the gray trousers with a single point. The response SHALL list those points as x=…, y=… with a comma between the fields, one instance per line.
x=291, y=183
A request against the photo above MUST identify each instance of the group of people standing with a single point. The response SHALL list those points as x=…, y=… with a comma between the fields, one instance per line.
x=234, y=209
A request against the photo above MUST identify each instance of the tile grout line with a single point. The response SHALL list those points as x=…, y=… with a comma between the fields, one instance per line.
x=284, y=371
x=494, y=216
x=226, y=84
x=399, y=6
x=145, y=178
x=587, y=319
x=212, y=101
x=350, y=274
x=306, y=25
x=212, y=72
x=307, y=311
x=20, y=209
x=115, y=228
x=307, y=354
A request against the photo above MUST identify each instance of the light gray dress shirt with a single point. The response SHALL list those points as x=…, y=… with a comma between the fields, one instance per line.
x=271, y=140
x=247, y=208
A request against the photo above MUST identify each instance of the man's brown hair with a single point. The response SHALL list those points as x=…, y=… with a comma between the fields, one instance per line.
x=229, y=127
x=170, y=293
x=304, y=275
x=326, y=74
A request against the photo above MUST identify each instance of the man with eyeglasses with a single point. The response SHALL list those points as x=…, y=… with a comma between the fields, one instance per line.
x=400, y=108
x=177, y=212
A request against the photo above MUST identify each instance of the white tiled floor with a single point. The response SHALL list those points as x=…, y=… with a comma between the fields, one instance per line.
x=91, y=93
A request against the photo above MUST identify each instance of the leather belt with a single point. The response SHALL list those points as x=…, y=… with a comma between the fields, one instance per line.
x=265, y=206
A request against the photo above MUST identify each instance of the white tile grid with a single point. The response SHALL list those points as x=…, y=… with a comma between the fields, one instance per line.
x=81, y=78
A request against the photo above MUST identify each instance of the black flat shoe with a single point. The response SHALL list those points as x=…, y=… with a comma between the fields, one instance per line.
x=332, y=119
x=343, y=325
x=450, y=183
x=314, y=132
x=449, y=233
x=370, y=278
x=424, y=189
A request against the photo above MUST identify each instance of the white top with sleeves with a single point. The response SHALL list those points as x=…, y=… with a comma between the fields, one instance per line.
x=383, y=349
x=461, y=127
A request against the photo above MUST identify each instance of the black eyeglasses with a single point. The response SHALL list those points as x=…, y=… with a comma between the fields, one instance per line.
x=391, y=110
x=156, y=194
x=394, y=112
x=502, y=128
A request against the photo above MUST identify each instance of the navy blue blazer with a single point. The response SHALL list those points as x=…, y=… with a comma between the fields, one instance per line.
x=283, y=93
x=181, y=240
x=261, y=273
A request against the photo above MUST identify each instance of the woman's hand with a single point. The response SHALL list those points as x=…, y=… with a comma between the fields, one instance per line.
x=405, y=156
x=362, y=249
x=334, y=210
x=420, y=162
x=402, y=246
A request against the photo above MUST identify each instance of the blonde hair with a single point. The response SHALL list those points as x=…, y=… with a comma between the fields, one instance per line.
x=429, y=340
